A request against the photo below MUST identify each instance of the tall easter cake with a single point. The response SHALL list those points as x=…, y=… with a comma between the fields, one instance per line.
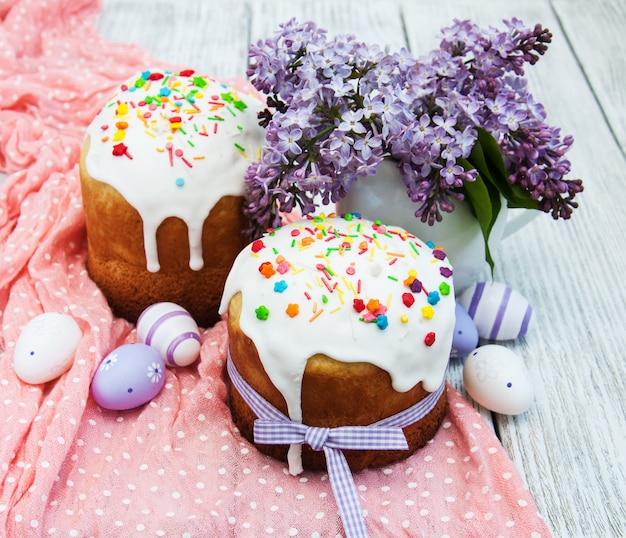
x=162, y=171
x=340, y=321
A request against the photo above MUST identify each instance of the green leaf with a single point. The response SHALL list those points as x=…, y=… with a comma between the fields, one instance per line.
x=484, y=202
x=484, y=196
x=492, y=160
x=477, y=196
x=492, y=152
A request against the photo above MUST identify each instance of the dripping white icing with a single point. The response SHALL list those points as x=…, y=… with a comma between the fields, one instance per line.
x=322, y=266
x=169, y=168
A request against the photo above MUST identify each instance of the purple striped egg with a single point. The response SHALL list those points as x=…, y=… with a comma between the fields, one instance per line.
x=499, y=312
x=172, y=331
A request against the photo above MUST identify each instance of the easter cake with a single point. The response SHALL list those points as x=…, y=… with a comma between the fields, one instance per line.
x=339, y=321
x=162, y=171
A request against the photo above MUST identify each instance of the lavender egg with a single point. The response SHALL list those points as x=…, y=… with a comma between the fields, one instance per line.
x=45, y=348
x=499, y=312
x=497, y=378
x=130, y=376
x=465, y=336
x=171, y=330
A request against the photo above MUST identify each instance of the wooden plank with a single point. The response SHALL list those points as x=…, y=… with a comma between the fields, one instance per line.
x=368, y=20
x=595, y=30
x=570, y=444
x=211, y=37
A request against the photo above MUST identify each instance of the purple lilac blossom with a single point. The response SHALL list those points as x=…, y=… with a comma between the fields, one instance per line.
x=340, y=106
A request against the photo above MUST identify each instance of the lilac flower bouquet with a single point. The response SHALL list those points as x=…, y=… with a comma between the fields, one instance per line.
x=459, y=123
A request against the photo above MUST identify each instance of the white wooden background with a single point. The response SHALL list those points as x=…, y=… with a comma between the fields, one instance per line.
x=571, y=445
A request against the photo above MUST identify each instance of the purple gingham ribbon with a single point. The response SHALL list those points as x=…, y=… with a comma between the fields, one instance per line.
x=275, y=428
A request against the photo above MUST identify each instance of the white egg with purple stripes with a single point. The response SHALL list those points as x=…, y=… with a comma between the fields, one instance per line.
x=499, y=312
x=171, y=330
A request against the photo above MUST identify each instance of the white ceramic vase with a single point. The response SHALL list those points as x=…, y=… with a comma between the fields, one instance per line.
x=383, y=196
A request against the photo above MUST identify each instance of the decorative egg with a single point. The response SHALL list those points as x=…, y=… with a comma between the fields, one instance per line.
x=171, y=330
x=497, y=378
x=46, y=347
x=499, y=312
x=465, y=337
x=130, y=376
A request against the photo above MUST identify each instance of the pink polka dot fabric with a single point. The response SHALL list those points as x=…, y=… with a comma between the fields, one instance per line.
x=177, y=466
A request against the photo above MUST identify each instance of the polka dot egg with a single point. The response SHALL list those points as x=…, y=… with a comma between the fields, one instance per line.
x=172, y=331
x=128, y=377
x=497, y=378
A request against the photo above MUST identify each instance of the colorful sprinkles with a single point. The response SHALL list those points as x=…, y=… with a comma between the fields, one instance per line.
x=333, y=281
x=182, y=105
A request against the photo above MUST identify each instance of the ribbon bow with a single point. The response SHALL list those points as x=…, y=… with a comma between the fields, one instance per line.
x=271, y=432
x=273, y=427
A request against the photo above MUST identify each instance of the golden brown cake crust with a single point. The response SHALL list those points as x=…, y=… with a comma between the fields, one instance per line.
x=334, y=394
x=116, y=260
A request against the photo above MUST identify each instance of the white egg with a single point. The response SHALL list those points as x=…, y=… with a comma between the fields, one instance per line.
x=499, y=312
x=46, y=347
x=497, y=378
x=171, y=330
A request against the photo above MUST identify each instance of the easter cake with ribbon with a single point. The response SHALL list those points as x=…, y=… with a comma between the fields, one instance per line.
x=340, y=332
x=162, y=172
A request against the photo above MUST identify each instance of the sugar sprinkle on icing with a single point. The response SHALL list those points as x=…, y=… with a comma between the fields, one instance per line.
x=337, y=294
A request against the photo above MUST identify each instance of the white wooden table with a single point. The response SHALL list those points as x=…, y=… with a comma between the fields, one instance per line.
x=571, y=445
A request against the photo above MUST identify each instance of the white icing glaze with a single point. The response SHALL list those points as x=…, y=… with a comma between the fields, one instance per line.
x=344, y=260
x=167, y=168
